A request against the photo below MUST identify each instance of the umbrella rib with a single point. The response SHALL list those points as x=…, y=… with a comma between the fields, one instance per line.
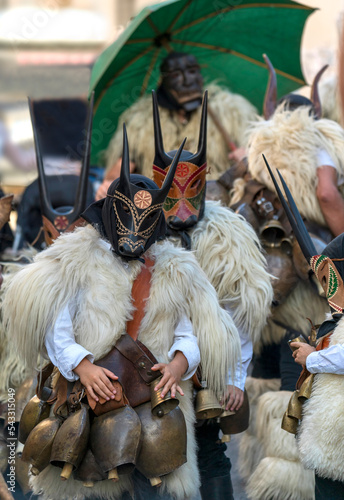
x=238, y=54
x=152, y=25
x=228, y=9
x=149, y=71
x=178, y=16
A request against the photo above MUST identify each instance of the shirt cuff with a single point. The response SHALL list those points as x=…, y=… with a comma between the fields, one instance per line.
x=312, y=362
x=192, y=355
x=70, y=358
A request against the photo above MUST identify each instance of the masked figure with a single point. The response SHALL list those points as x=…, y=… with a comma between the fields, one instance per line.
x=319, y=388
x=216, y=236
x=179, y=97
x=123, y=303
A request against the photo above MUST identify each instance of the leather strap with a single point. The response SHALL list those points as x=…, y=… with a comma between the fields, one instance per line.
x=133, y=352
x=139, y=295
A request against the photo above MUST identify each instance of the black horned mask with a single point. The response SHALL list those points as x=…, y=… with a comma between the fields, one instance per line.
x=327, y=267
x=62, y=219
x=291, y=101
x=185, y=202
x=132, y=211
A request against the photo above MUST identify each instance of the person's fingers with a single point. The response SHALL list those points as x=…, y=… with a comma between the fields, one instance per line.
x=92, y=393
x=167, y=387
x=107, y=387
x=238, y=402
x=230, y=401
x=180, y=390
x=98, y=389
x=110, y=374
x=162, y=382
x=157, y=366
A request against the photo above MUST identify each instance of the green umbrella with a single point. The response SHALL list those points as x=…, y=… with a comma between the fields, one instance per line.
x=228, y=37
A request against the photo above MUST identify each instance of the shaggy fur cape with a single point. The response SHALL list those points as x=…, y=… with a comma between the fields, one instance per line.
x=79, y=265
x=233, y=111
x=228, y=250
x=322, y=427
x=290, y=141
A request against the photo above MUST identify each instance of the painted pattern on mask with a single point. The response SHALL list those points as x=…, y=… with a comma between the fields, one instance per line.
x=138, y=218
x=330, y=279
x=187, y=191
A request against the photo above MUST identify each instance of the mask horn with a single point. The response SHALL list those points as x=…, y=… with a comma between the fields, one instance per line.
x=202, y=141
x=295, y=219
x=159, y=145
x=81, y=195
x=270, y=98
x=315, y=98
x=46, y=206
x=172, y=170
x=124, y=179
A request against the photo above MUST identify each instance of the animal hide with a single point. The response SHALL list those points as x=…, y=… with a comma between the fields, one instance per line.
x=79, y=265
x=290, y=141
x=233, y=111
x=229, y=252
x=322, y=427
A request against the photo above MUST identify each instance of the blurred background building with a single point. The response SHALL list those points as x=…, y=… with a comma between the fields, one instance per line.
x=47, y=48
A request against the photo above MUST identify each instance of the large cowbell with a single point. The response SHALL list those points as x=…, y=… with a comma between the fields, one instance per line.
x=62, y=219
x=138, y=209
x=184, y=205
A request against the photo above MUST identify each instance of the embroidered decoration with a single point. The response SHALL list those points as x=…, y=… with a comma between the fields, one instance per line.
x=61, y=222
x=330, y=279
x=143, y=199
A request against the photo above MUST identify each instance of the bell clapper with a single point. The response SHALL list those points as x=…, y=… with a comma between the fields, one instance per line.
x=113, y=475
x=66, y=471
x=88, y=484
x=155, y=481
x=34, y=471
x=226, y=438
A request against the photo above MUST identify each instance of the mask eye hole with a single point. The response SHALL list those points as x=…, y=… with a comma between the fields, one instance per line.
x=196, y=184
x=152, y=215
x=323, y=281
x=125, y=208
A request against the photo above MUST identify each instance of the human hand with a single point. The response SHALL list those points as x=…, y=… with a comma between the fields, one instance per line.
x=238, y=154
x=233, y=398
x=102, y=190
x=96, y=380
x=301, y=352
x=172, y=374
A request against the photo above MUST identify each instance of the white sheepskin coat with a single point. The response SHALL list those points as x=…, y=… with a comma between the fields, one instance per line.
x=321, y=434
x=234, y=112
x=80, y=265
x=228, y=250
x=290, y=142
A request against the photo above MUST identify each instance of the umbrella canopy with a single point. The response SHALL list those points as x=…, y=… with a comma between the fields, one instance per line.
x=228, y=37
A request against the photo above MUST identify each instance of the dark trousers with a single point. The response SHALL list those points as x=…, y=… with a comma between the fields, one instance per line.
x=326, y=489
x=213, y=464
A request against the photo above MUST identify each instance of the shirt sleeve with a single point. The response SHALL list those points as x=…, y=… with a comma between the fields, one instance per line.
x=243, y=363
x=61, y=347
x=186, y=342
x=330, y=360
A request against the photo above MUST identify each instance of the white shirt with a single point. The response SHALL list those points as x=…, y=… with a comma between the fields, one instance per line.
x=330, y=360
x=65, y=353
x=243, y=363
x=323, y=158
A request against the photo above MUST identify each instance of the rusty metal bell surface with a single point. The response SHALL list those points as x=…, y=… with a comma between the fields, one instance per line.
x=70, y=443
x=295, y=406
x=89, y=471
x=38, y=446
x=3, y=453
x=281, y=266
x=34, y=412
x=115, y=441
x=235, y=422
x=306, y=388
x=207, y=405
x=161, y=406
x=22, y=475
x=23, y=395
x=300, y=338
x=163, y=447
x=289, y=424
